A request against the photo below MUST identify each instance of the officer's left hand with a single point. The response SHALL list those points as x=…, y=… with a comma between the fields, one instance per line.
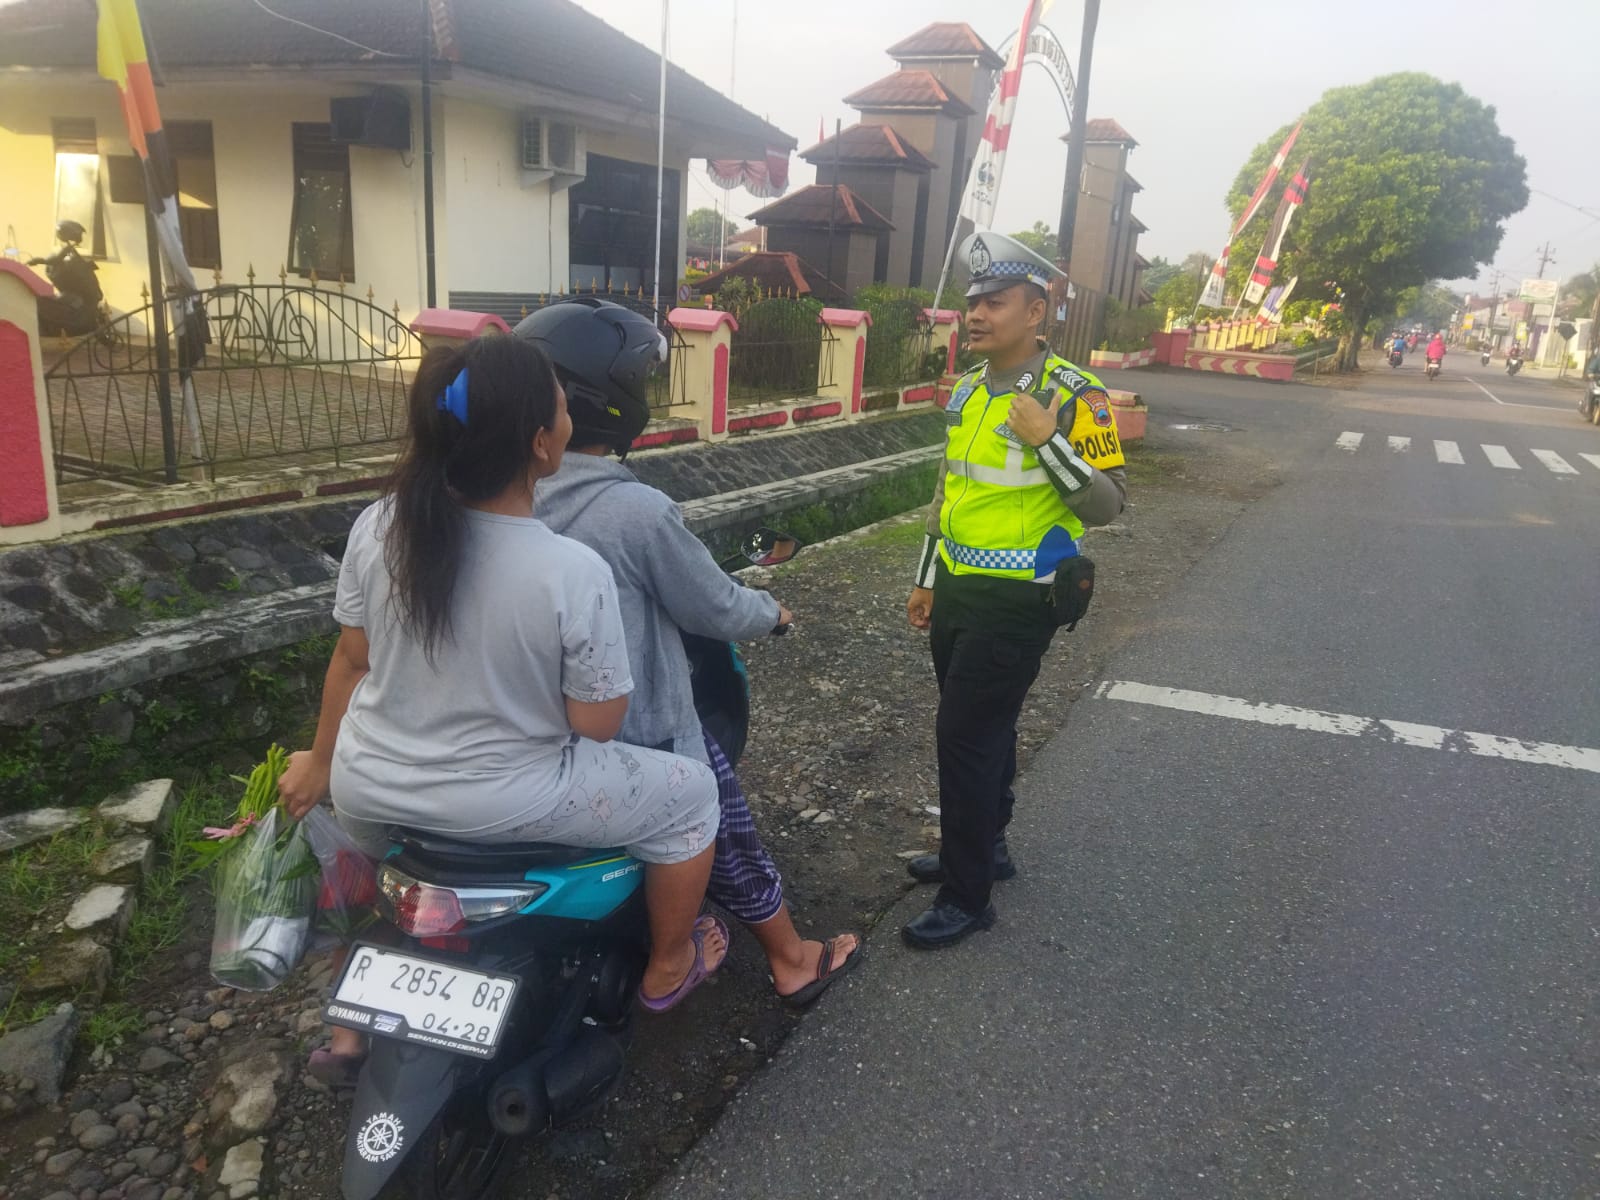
x=1030, y=422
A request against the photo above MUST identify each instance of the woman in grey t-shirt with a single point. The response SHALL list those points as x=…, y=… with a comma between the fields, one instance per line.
x=481, y=672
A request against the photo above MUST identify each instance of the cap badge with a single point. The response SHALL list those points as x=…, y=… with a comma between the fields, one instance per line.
x=978, y=261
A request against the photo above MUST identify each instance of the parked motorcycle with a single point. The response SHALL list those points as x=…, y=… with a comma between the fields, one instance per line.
x=1513, y=364
x=498, y=991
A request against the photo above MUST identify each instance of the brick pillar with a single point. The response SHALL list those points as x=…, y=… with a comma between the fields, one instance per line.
x=454, y=327
x=708, y=334
x=848, y=360
x=946, y=323
x=29, y=511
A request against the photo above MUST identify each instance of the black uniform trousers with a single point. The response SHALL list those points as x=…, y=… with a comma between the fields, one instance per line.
x=988, y=637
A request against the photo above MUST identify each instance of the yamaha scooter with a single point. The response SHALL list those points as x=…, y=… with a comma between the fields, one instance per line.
x=498, y=990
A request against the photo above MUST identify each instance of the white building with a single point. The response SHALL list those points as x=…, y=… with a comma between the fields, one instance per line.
x=300, y=149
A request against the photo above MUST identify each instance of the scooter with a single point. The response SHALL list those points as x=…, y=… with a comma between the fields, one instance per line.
x=498, y=989
x=1433, y=368
x=1396, y=358
x=1513, y=364
x=1589, y=402
x=1484, y=358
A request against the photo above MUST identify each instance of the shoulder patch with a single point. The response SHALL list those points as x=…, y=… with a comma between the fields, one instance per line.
x=1099, y=403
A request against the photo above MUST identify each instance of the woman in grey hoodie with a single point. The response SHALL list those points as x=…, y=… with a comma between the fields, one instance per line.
x=668, y=584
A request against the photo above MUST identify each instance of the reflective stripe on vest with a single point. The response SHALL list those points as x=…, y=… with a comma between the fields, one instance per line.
x=1013, y=474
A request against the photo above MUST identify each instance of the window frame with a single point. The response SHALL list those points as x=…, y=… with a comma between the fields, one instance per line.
x=299, y=152
x=80, y=135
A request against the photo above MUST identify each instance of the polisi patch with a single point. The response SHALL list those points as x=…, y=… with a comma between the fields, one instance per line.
x=380, y=1138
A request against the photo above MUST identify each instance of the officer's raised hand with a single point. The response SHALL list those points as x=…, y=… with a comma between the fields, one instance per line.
x=1030, y=421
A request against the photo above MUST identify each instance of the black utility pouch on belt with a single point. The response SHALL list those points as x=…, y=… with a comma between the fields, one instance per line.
x=1071, y=592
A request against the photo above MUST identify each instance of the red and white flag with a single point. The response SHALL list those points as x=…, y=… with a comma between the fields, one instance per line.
x=1267, y=261
x=1212, y=296
x=983, y=184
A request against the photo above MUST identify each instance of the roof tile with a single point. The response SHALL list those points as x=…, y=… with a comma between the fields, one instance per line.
x=817, y=204
x=908, y=88
x=871, y=144
x=946, y=40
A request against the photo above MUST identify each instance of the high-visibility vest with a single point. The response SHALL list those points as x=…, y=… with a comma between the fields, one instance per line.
x=1001, y=515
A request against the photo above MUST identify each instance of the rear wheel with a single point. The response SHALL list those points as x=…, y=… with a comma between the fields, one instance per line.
x=1594, y=412
x=458, y=1157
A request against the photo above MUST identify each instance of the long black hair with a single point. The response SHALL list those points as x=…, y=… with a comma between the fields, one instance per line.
x=474, y=410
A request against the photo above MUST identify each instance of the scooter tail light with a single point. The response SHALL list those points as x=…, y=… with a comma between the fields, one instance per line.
x=427, y=910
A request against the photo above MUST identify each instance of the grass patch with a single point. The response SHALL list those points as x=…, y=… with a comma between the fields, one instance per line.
x=162, y=915
x=111, y=1024
x=907, y=533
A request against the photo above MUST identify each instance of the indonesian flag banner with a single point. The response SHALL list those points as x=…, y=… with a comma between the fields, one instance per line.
x=1212, y=296
x=983, y=184
x=1272, y=307
x=1267, y=181
x=1267, y=261
x=766, y=179
x=120, y=51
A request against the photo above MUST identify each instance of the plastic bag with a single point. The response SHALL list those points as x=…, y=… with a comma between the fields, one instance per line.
x=266, y=892
x=349, y=883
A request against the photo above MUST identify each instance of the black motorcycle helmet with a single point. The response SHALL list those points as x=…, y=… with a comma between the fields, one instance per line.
x=604, y=355
x=70, y=232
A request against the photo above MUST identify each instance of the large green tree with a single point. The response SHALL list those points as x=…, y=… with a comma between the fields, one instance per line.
x=704, y=227
x=1040, y=239
x=1411, y=180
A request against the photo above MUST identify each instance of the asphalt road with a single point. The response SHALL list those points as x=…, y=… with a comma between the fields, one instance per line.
x=1308, y=904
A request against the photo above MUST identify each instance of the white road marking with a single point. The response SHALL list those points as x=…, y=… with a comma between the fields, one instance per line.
x=1399, y=444
x=1349, y=441
x=1592, y=459
x=1499, y=456
x=1403, y=733
x=1485, y=391
x=1505, y=403
x=1448, y=452
x=1554, y=461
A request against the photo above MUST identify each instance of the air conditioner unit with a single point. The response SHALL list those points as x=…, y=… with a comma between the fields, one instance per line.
x=552, y=150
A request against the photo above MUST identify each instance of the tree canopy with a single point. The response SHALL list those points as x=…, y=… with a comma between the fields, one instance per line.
x=703, y=227
x=1411, y=180
x=1040, y=239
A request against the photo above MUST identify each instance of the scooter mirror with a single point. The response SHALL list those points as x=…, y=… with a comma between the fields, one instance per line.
x=769, y=547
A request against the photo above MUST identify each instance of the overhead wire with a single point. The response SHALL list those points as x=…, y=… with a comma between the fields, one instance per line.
x=328, y=33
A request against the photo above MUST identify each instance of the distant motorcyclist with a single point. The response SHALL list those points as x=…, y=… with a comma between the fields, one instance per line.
x=1435, y=352
x=1398, y=345
x=75, y=309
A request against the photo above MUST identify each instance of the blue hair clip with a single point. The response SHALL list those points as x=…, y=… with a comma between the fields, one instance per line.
x=453, y=399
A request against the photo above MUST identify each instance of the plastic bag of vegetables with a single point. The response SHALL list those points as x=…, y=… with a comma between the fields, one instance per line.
x=265, y=885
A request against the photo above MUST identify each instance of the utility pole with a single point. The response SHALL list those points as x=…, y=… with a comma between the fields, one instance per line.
x=1075, y=138
x=428, y=252
x=1544, y=258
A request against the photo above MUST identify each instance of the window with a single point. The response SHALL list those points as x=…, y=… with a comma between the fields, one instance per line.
x=78, y=193
x=321, y=236
x=192, y=156
x=612, y=226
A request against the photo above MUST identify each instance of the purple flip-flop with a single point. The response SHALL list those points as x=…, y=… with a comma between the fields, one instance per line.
x=698, y=973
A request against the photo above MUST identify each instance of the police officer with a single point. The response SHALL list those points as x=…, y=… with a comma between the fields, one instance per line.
x=1031, y=457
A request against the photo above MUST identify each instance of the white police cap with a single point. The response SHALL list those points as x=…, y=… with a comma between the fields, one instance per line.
x=996, y=262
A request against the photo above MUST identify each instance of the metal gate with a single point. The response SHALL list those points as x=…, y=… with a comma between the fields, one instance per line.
x=294, y=373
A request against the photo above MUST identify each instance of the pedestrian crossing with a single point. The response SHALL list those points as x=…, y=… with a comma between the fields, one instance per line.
x=1456, y=454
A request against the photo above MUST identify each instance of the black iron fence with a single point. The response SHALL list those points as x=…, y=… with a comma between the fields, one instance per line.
x=900, y=346
x=778, y=352
x=252, y=372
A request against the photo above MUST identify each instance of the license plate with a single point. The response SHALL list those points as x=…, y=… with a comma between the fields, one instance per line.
x=416, y=999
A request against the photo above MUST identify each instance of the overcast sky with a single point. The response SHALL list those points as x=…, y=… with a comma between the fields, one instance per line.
x=1198, y=84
